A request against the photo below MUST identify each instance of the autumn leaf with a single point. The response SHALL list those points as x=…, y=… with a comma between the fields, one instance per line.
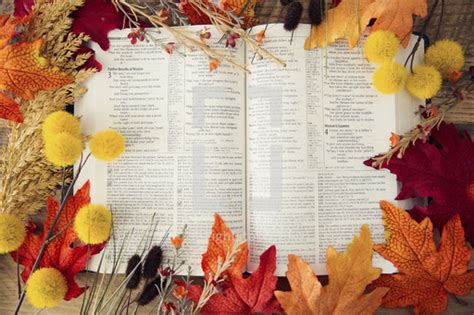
x=220, y=242
x=23, y=7
x=343, y=21
x=395, y=16
x=9, y=109
x=23, y=72
x=443, y=170
x=62, y=253
x=349, y=273
x=427, y=274
x=245, y=296
x=9, y=27
x=96, y=19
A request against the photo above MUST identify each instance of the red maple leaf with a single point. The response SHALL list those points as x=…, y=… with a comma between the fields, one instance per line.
x=9, y=109
x=245, y=295
x=443, y=170
x=97, y=18
x=23, y=7
x=62, y=253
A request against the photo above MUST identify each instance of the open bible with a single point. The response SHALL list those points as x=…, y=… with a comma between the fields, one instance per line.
x=278, y=152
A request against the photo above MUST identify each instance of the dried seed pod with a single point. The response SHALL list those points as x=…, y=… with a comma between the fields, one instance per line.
x=149, y=293
x=285, y=2
x=134, y=267
x=293, y=16
x=316, y=12
x=152, y=262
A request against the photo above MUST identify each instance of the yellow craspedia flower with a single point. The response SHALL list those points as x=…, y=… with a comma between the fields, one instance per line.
x=46, y=287
x=63, y=149
x=389, y=78
x=107, y=145
x=381, y=46
x=446, y=56
x=12, y=233
x=93, y=224
x=61, y=121
x=424, y=82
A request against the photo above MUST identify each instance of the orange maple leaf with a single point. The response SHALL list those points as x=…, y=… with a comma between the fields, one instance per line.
x=349, y=273
x=220, y=242
x=9, y=26
x=427, y=274
x=395, y=16
x=24, y=72
x=343, y=21
x=9, y=109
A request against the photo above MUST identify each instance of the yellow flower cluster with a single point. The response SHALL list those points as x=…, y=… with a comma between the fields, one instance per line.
x=93, y=224
x=63, y=141
x=425, y=80
x=46, y=287
x=12, y=233
x=62, y=138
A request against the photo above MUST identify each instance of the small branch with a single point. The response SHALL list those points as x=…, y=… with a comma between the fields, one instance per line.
x=50, y=232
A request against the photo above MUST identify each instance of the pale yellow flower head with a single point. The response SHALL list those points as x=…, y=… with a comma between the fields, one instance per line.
x=93, y=224
x=107, y=145
x=46, y=287
x=63, y=149
x=12, y=233
x=59, y=122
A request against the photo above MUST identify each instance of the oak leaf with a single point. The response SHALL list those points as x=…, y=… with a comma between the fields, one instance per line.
x=24, y=72
x=443, y=170
x=395, y=16
x=427, y=274
x=250, y=295
x=219, y=244
x=343, y=21
x=62, y=253
x=349, y=273
x=9, y=109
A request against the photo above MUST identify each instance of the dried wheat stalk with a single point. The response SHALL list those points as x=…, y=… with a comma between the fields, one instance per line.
x=27, y=177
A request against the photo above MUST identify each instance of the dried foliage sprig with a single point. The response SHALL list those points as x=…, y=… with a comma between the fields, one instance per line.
x=451, y=95
x=226, y=23
x=210, y=286
x=27, y=178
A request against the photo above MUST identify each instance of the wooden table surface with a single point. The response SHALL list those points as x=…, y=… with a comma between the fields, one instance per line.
x=457, y=24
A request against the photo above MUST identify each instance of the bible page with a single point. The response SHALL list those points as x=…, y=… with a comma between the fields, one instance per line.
x=310, y=127
x=184, y=128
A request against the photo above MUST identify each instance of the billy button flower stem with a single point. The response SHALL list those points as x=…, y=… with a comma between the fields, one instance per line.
x=50, y=236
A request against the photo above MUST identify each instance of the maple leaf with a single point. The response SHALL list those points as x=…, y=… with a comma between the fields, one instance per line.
x=96, y=19
x=219, y=244
x=23, y=7
x=9, y=28
x=245, y=296
x=349, y=273
x=23, y=71
x=395, y=16
x=9, y=109
x=343, y=21
x=427, y=274
x=62, y=253
x=442, y=170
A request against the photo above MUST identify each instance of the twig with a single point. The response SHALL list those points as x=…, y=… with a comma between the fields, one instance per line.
x=50, y=233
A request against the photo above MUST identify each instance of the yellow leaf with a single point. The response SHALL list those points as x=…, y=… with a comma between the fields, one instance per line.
x=343, y=21
x=349, y=273
x=395, y=16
